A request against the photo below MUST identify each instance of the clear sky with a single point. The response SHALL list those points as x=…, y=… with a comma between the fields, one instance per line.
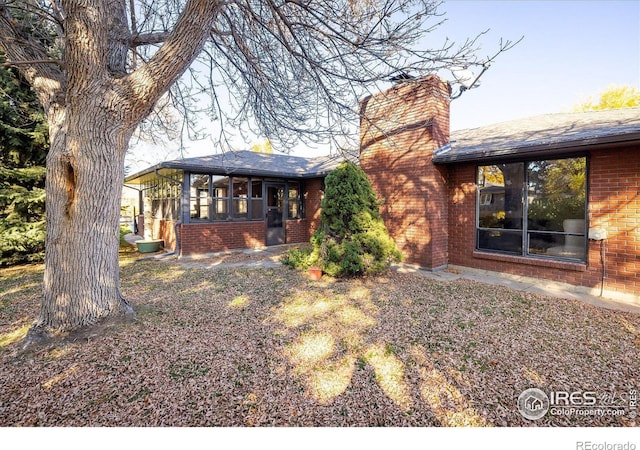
x=571, y=50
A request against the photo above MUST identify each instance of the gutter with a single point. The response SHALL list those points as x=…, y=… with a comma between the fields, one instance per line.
x=448, y=154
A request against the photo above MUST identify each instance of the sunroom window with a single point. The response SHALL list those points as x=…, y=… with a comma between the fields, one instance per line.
x=199, y=197
x=240, y=205
x=256, y=200
x=534, y=208
x=224, y=198
x=220, y=197
x=294, y=201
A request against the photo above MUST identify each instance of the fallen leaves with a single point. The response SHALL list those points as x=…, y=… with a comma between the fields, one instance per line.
x=266, y=346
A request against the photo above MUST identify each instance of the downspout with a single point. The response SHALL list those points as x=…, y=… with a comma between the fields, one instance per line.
x=603, y=261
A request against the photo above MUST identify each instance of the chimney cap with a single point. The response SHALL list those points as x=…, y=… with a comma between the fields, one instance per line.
x=401, y=76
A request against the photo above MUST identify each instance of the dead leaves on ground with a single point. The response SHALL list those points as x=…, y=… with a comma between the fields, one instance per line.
x=262, y=347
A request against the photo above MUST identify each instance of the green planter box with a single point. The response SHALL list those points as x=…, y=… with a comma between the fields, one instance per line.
x=149, y=246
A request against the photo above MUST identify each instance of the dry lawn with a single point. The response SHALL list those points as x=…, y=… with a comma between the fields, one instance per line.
x=268, y=347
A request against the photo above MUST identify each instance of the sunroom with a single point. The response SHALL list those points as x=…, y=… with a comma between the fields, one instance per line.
x=230, y=200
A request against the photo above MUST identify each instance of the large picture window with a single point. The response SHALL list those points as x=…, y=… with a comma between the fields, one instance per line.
x=535, y=208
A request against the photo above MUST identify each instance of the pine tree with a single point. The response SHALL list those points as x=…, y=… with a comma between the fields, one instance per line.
x=23, y=149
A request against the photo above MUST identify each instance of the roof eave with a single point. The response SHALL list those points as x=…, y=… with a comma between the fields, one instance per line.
x=149, y=170
x=177, y=165
x=548, y=149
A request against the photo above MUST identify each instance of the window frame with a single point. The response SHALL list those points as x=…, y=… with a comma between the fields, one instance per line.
x=217, y=199
x=235, y=200
x=252, y=199
x=231, y=216
x=524, y=230
x=163, y=192
x=298, y=200
x=191, y=198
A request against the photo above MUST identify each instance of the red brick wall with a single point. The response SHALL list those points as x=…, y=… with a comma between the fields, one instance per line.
x=462, y=213
x=614, y=204
x=299, y=231
x=313, y=197
x=167, y=233
x=160, y=229
x=198, y=238
x=399, y=130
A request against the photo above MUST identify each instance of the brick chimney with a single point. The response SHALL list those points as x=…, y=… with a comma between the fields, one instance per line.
x=399, y=130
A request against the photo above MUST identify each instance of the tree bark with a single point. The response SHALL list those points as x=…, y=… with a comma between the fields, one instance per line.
x=85, y=169
x=92, y=115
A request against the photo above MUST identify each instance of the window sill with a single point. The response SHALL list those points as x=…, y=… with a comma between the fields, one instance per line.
x=531, y=261
x=222, y=221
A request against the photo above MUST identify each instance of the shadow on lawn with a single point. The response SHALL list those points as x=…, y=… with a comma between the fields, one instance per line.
x=260, y=347
x=334, y=334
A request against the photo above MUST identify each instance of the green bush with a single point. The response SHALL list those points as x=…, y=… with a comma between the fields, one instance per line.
x=298, y=258
x=23, y=243
x=353, y=239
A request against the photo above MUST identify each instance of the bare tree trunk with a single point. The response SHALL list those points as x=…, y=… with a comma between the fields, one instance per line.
x=85, y=169
x=93, y=106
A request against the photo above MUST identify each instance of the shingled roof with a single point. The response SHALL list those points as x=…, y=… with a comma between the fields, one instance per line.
x=545, y=135
x=250, y=163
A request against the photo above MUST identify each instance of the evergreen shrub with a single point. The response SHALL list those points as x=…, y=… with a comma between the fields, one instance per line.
x=353, y=239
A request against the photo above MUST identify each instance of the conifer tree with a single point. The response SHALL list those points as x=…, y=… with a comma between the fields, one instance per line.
x=23, y=149
x=353, y=239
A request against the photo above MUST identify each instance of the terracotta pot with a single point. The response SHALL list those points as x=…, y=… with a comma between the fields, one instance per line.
x=315, y=273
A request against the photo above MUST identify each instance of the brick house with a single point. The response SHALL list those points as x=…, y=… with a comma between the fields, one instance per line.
x=529, y=197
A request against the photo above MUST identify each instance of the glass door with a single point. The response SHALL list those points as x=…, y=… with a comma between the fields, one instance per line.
x=275, y=214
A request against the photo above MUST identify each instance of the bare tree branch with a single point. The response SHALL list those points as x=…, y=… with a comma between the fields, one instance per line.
x=287, y=70
x=149, y=81
x=138, y=40
x=32, y=52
